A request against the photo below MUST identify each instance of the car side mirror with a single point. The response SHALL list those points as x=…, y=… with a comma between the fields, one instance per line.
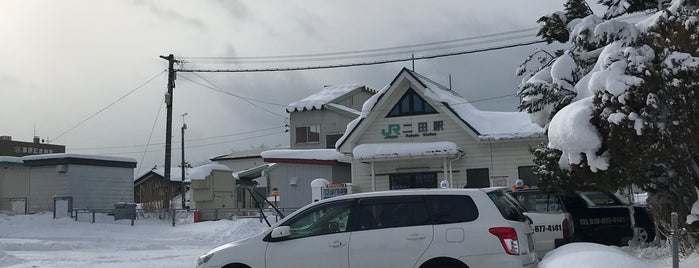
x=281, y=231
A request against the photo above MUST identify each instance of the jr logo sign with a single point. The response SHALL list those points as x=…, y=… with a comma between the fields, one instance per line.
x=391, y=132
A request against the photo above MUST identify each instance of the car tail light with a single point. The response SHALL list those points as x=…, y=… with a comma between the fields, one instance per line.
x=567, y=231
x=508, y=239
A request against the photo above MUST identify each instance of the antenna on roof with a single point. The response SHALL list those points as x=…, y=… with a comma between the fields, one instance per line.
x=412, y=58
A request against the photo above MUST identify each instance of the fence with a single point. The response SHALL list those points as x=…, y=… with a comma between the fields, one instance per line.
x=183, y=216
x=13, y=206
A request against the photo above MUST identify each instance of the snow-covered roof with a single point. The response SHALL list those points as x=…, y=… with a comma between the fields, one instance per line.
x=11, y=159
x=201, y=172
x=307, y=154
x=196, y=173
x=327, y=95
x=488, y=125
x=404, y=149
x=80, y=156
x=241, y=154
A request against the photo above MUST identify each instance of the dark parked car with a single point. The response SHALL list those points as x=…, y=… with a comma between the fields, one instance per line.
x=598, y=216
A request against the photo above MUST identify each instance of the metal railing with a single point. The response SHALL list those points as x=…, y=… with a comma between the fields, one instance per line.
x=184, y=216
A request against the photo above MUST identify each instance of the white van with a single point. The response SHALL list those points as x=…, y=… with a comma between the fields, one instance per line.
x=422, y=228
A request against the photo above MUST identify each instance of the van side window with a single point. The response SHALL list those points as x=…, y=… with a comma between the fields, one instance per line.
x=325, y=219
x=452, y=208
x=389, y=212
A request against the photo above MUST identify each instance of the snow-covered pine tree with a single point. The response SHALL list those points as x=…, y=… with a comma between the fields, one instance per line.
x=631, y=116
x=616, y=8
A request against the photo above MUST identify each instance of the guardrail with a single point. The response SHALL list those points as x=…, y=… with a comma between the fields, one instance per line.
x=183, y=216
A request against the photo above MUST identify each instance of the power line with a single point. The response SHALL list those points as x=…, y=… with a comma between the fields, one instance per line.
x=110, y=105
x=373, y=55
x=157, y=115
x=303, y=68
x=226, y=92
x=361, y=51
x=234, y=95
x=188, y=140
x=201, y=145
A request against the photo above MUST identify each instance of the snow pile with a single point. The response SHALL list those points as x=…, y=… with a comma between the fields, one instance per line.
x=590, y=255
x=327, y=95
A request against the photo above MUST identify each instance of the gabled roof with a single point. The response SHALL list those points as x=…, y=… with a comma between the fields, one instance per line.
x=196, y=173
x=487, y=125
x=329, y=94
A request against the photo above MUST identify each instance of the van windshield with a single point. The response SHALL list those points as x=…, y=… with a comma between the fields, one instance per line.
x=507, y=206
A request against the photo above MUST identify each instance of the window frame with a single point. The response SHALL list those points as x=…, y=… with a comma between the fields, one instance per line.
x=307, y=134
x=411, y=98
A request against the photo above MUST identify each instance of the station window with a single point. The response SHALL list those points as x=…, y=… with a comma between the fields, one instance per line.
x=411, y=104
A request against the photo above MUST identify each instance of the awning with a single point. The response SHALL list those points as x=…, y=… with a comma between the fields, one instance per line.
x=402, y=150
x=251, y=173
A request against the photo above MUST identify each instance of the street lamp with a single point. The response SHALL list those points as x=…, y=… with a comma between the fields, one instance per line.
x=182, y=188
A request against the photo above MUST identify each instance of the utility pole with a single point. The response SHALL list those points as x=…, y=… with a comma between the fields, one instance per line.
x=171, y=76
x=182, y=188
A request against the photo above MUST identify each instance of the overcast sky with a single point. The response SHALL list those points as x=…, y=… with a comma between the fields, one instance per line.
x=63, y=61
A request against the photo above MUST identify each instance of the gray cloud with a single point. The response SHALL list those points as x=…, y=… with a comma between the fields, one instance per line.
x=171, y=15
x=236, y=8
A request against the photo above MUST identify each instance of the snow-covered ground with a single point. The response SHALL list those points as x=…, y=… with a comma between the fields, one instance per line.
x=40, y=241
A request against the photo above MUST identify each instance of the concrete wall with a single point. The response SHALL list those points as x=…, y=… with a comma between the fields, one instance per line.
x=14, y=183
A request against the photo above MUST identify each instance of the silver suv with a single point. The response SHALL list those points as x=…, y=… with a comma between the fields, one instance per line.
x=406, y=228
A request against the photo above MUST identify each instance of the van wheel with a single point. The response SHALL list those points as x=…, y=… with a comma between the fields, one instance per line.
x=443, y=263
x=235, y=265
x=643, y=235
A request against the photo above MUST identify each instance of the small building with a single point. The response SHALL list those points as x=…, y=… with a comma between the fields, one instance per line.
x=8, y=147
x=14, y=185
x=212, y=187
x=150, y=188
x=86, y=181
x=416, y=133
x=317, y=122
x=294, y=170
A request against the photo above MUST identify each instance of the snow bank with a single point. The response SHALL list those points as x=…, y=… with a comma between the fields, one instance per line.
x=590, y=255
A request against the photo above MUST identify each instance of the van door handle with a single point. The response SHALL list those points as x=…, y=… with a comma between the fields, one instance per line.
x=416, y=237
x=336, y=244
